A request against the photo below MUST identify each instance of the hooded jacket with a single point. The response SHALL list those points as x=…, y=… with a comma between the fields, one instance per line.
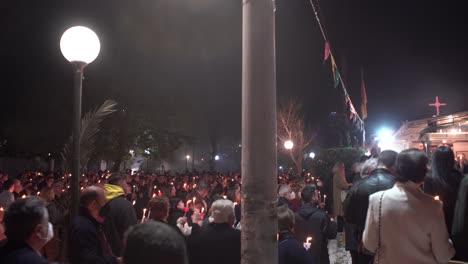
x=314, y=222
x=119, y=215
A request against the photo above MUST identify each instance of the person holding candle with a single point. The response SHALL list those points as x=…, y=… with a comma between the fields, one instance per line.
x=118, y=212
x=290, y=250
x=177, y=210
x=218, y=242
x=158, y=208
x=444, y=181
x=312, y=221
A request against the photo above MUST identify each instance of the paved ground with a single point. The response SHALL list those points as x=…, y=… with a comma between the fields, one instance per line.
x=337, y=252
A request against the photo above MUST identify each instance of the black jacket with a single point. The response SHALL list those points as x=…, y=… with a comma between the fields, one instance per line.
x=357, y=199
x=20, y=253
x=118, y=216
x=292, y=251
x=314, y=222
x=87, y=241
x=217, y=243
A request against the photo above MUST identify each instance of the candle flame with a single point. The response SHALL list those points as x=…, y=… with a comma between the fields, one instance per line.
x=189, y=201
x=38, y=193
x=203, y=209
x=437, y=198
x=154, y=195
x=224, y=196
x=1, y=209
x=308, y=239
x=24, y=196
x=235, y=204
x=134, y=202
x=194, y=199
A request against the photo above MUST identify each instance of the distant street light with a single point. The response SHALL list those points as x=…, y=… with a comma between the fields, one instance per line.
x=312, y=155
x=288, y=145
x=80, y=46
x=217, y=157
x=186, y=161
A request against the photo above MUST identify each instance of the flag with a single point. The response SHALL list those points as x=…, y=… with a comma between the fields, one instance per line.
x=363, y=97
x=336, y=73
x=327, y=51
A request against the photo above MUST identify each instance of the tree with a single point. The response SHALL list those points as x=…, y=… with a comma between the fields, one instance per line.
x=292, y=126
x=90, y=127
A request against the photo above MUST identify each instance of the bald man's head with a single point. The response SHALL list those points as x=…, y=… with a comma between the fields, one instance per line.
x=93, y=198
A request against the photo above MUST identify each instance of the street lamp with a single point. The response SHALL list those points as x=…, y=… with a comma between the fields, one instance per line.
x=312, y=155
x=217, y=157
x=186, y=161
x=80, y=46
x=288, y=145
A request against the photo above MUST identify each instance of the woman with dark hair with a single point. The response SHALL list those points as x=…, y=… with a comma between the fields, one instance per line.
x=176, y=210
x=444, y=181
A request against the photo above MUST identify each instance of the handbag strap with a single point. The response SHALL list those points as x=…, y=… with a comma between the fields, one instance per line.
x=379, y=239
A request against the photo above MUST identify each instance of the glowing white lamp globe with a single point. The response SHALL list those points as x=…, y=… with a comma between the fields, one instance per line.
x=80, y=44
x=312, y=155
x=288, y=144
x=216, y=157
x=187, y=157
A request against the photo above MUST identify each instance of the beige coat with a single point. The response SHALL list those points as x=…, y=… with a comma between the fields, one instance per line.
x=412, y=227
x=339, y=184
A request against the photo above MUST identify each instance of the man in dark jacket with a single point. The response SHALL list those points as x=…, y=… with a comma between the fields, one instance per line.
x=88, y=243
x=118, y=212
x=357, y=200
x=28, y=229
x=218, y=242
x=311, y=221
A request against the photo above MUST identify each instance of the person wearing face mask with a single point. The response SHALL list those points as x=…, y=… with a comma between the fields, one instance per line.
x=88, y=243
x=285, y=195
x=28, y=229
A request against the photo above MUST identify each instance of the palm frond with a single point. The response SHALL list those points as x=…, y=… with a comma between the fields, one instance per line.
x=90, y=127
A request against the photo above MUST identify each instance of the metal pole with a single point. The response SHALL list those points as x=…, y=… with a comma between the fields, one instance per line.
x=259, y=200
x=76, y=169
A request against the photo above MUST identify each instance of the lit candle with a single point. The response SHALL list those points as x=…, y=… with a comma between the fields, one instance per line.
x=24, y=196
x=307, y=243
x=154, y=195
x=202, y=214
x=185, y=185
x=235, y=204
x=224, y=196
x=159, y=193
x=324, y=198
x=194, y=186
x=134, y=188
x=134, y=202
x=143, y=217
x=437, y=198
x=194, y=199
x=38, y=193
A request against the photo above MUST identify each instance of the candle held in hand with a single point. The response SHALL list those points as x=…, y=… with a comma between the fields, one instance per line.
x=437, y=198
x=143, y=217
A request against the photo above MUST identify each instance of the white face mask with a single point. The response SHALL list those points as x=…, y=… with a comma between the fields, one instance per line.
x=50, y=233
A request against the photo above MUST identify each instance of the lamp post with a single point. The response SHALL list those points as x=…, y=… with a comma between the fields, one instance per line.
x=80, y=46
x=259, y=184
x=186, y=162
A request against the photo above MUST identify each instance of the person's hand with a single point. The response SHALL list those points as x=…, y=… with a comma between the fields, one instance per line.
x=322, y=205
x=182, y=220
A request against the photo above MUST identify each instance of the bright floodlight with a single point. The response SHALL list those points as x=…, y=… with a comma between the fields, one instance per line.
x=384, y=134
x=288, y=144
x=216, y=157
x=312, y=155
x=187, y=157
x=80, y=44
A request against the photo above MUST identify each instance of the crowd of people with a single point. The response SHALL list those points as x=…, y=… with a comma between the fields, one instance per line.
x=392, y=207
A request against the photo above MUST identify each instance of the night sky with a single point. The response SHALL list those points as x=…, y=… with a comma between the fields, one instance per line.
x=182, y=58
